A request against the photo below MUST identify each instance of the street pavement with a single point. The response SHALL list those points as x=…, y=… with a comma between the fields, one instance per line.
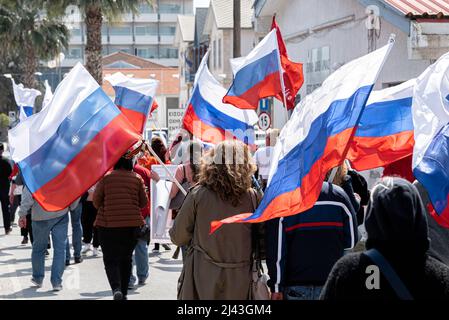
x=86, y=281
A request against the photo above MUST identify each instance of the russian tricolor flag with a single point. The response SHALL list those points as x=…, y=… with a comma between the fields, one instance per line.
x=256, y=76
x=67, y=147
x=134, y=97
x=385, y=131
x=25, y=98
x=211, y=120
x=431, y=122
x=315, y=139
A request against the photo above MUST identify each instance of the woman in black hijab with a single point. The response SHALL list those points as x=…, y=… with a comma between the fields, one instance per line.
x=397, y=228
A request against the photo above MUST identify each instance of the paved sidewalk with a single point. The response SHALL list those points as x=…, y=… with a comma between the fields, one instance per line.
x=85, y=281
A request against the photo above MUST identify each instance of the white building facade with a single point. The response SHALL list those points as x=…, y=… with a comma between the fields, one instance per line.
x=324, y=35
x=148, y=34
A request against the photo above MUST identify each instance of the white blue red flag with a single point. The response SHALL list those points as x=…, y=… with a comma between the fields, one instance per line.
x=134, y=97
x=385, y=131
x=25, y=97
x=257, y=75
x=67, y=147
x=209, y=119
x=431, y=121
x=47, y=96
x=315, y=139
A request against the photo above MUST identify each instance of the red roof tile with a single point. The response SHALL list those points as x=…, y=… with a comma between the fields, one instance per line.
x=421, y=8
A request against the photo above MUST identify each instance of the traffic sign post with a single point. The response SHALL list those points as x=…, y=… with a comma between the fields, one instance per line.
x=264, y=121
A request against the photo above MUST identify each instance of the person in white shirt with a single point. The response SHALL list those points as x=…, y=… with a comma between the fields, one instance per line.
x=263, y=156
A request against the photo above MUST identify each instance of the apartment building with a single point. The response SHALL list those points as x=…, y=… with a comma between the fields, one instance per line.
x=149, y=34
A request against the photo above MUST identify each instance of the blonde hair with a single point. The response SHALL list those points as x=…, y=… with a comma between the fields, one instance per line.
x=342, y=171
x=227, y=169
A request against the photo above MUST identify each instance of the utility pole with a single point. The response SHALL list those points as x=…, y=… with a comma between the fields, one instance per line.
x=237, y=52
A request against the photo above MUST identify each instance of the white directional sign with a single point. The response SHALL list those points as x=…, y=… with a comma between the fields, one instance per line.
x=264, y=121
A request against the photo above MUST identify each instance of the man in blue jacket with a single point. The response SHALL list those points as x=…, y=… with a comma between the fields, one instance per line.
x=302, y=249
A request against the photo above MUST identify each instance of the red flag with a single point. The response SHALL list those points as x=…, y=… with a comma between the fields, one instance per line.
x=154, y=106
x=293, y=73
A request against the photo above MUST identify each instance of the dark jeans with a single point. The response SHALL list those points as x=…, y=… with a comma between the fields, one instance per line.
x=4, y=198
x=87, y=221
x=118, y=245
x=302, y=292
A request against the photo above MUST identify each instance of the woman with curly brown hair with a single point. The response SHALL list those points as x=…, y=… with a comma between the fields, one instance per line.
x=217, y=266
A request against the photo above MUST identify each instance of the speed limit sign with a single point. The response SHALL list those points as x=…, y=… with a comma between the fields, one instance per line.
x=264, y=121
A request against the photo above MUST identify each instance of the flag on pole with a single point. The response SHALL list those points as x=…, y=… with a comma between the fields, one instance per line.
x=256, y=76
x=431, y=122
x=48, y=95
x=134, y=97
x=154, y=106
x=209, y=119
x=315, y=139
x=67, y=147
x=385, y=131
x=22, y=114
x=292, y=71
x=25, y=97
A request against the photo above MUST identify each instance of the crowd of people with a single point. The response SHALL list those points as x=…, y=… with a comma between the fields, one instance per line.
x=317, y=254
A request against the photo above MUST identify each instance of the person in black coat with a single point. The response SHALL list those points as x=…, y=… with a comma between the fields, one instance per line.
x=397, y=227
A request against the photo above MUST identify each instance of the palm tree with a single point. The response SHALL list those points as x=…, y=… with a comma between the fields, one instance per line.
x=94, y=11
x=23, y=27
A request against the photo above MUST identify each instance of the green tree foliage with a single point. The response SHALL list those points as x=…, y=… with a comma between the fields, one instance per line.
x=27, y=29
x=4, y=121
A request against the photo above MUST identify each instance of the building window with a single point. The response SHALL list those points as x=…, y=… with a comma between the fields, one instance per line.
x=120, y=31
x=219, y=53
x=215, y=54
x=168, y=53
x=75, y=32
x=126, y=50
x=147, y=53
x=74, y=53
x=169, y=8
x=317, y=67
x=167, y=30
x=147, y=30
x=146, y=8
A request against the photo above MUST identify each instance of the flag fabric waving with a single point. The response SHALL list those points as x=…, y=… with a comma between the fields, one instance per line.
x=209, y=119
x=431, y=121
x=66, y=148
x=315, y=139
x=22, y=114
x=47, y=96
x=292, y=71
x=25, y=97
x=134, y=97
x=256, y=76
x=385, y=131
